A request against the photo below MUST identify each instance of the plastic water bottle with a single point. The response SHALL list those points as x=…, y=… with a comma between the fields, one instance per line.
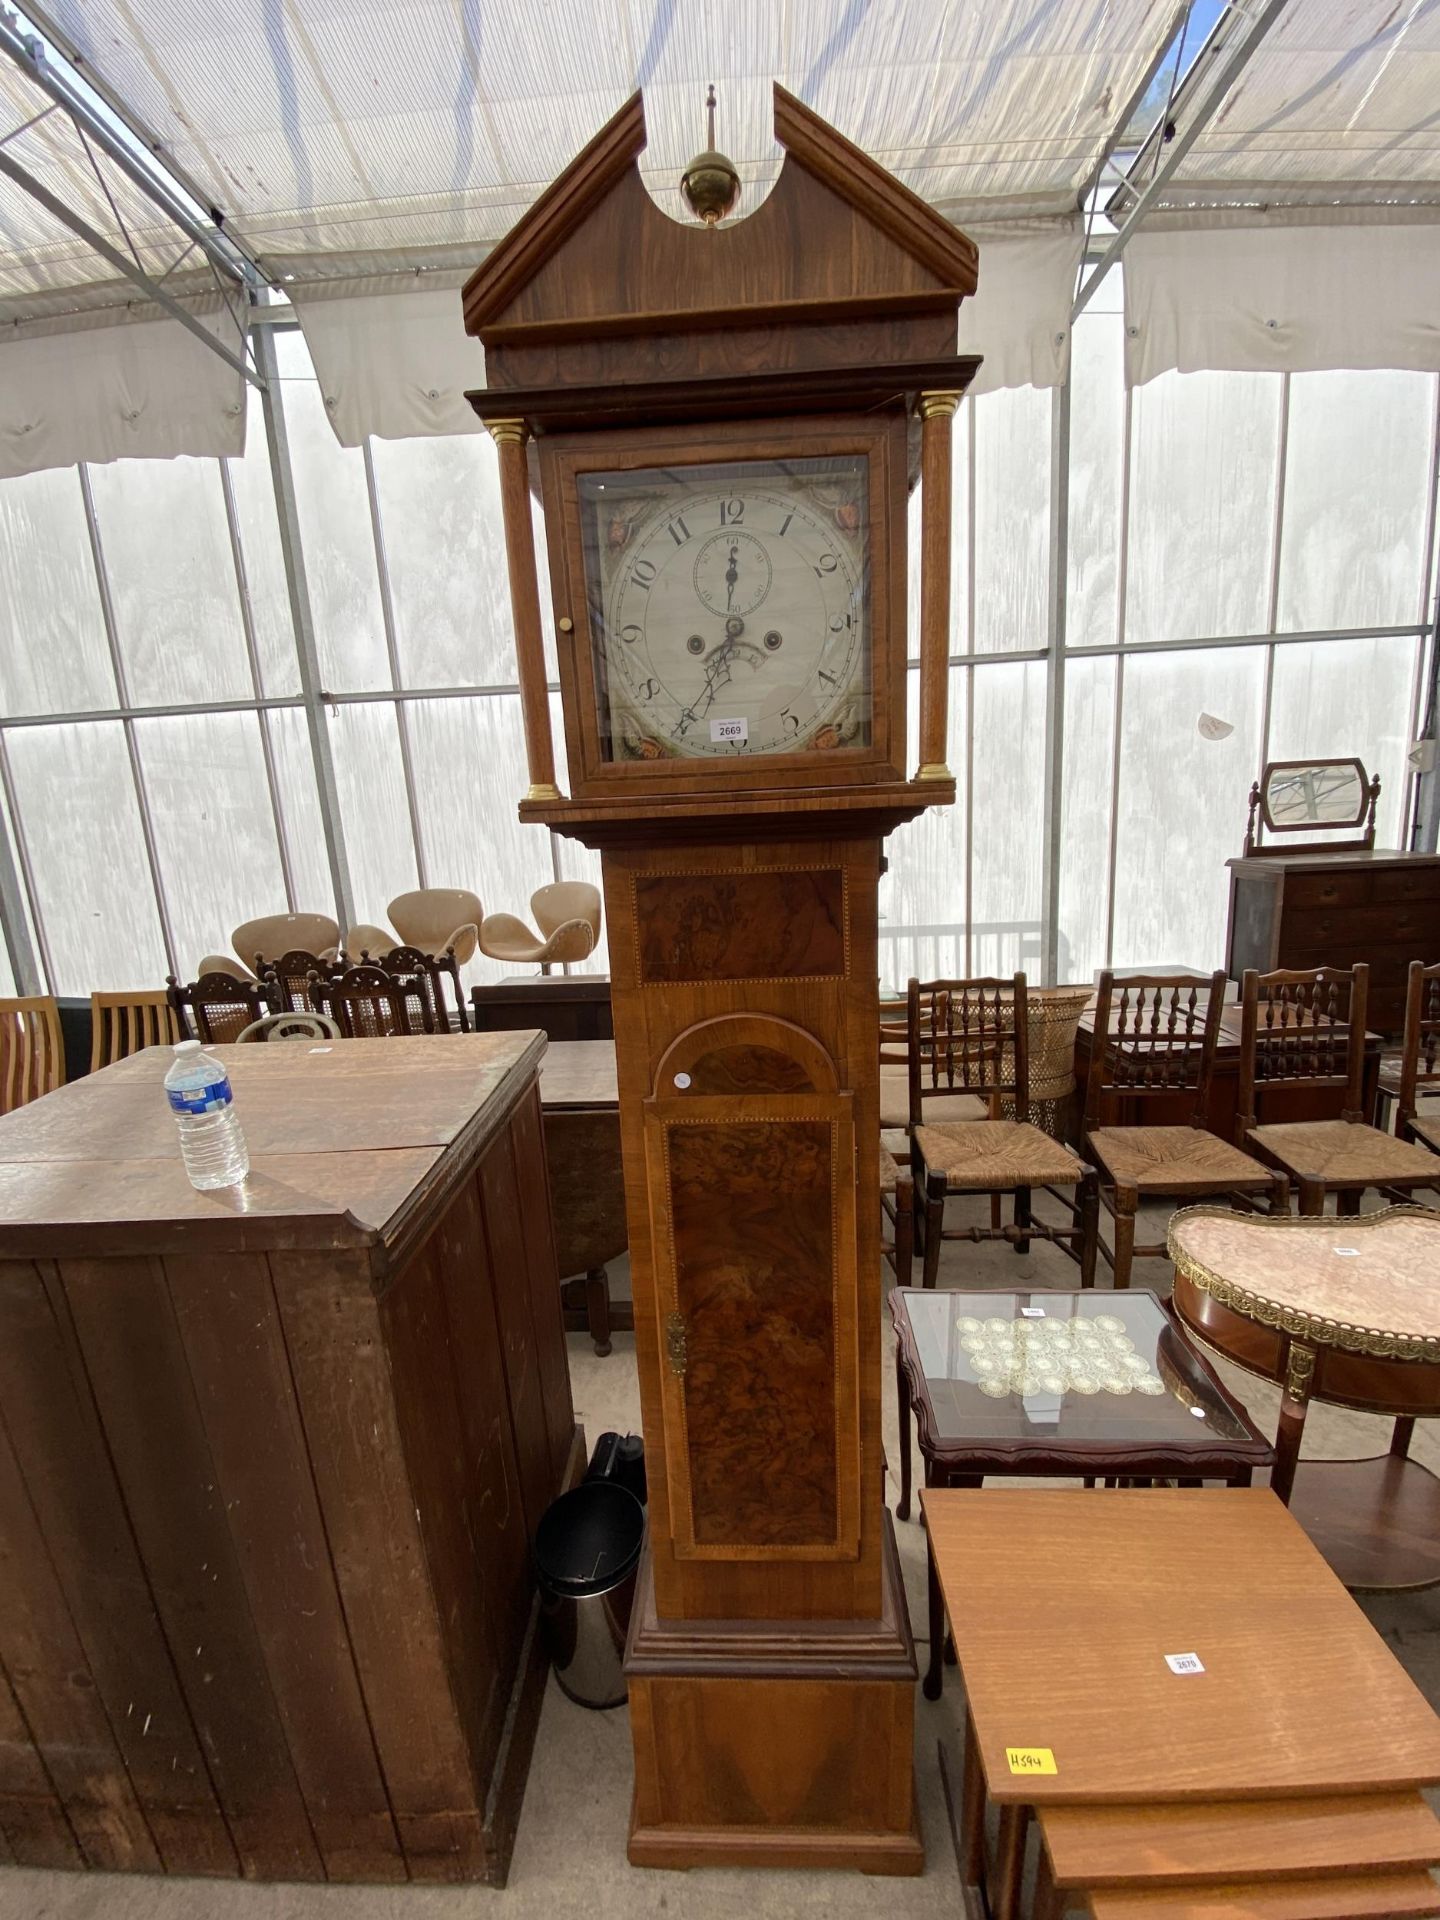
x=211, y=1141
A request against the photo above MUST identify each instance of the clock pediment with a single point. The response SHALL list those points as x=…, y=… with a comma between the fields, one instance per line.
x=835, y=238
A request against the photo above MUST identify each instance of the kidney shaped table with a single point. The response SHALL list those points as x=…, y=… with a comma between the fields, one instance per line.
x=1341, y=1310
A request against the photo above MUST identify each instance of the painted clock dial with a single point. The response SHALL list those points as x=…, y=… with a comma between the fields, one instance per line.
x=729, y=608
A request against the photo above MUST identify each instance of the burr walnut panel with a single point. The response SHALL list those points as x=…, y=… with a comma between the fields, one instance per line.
x=762, y=924
x=759, y=1360
x=754, y=1282
x=749, y=1070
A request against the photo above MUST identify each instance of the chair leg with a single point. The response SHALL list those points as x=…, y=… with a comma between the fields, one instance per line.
x=1023, y=1219
x=934, y=1224
x=904, y=1229
x=597, y=1308
x=934, y=1667
x=1124, y=1237
x=1311, y=1197
x=1089, y=1222
x=902, y=1385
x=1400, y=1438
x=1348, y=1204
x=1280, y=1195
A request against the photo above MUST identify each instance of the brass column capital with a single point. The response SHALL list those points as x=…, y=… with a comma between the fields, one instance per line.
x=938, y=406
x=503, y=431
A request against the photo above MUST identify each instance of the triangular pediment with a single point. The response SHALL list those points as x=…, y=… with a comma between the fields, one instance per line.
x=837, y=234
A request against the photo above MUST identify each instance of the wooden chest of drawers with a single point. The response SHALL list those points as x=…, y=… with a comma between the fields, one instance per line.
x=1332, y=909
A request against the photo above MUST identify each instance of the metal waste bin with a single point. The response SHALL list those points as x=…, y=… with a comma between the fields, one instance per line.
x=587, y=1553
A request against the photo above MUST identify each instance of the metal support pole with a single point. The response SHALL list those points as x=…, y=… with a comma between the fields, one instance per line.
x=302, y=619
x=1425, y=824
x=252, y=656
x=127, y=724
x=23, y=963
x=392, y=652
x=1053, y=831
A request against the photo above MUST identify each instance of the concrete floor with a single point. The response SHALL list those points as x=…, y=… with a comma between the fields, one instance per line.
x=569, y=1859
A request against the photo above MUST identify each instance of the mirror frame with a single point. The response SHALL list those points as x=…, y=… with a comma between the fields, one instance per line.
x=1363, y=816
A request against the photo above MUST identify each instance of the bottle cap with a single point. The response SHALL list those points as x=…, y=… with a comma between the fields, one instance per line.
x=187, y=1046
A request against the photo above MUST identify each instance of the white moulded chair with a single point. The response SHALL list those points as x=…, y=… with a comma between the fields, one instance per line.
x=222, y=963
x=434, y=918
x=368, y=938
x=568, y=916
x=277, y=933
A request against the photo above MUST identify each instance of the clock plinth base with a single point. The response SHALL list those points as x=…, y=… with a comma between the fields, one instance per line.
x=775, y=1743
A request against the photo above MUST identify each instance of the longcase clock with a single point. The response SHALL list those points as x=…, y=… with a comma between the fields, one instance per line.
x=726, y=420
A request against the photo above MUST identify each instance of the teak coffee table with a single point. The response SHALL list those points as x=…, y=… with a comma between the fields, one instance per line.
x=1157, y=1645
x=1339, y=1309
x=1054, y=1383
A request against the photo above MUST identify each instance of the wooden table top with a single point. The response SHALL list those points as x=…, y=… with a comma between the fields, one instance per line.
x=579, y=1073
x=340, y=1136
x=1238, y=1839
x=1365, y=1283
x=1064, y=1606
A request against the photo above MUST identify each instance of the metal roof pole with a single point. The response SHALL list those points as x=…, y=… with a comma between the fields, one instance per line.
x=302, y=618
x=1132, y=104
x=122, y=265
x=1231, y=64
x=1052, y=834
x=14, y=929
x=150, y=175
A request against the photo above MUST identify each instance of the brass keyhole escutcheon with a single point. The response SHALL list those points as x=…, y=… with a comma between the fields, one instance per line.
x=677, y=1344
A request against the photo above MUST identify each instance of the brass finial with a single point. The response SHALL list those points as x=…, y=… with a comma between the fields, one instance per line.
x=710, y=183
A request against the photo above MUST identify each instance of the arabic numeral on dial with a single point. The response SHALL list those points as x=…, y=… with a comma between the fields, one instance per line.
x=827, y=563
x=643, y=573
x=650, y=689
x=828, y=678
x=631, y=634
x=732, y=512
x=841, y=622
x=678, y=531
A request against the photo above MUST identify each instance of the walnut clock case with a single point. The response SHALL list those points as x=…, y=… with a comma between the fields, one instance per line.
x=724, y=422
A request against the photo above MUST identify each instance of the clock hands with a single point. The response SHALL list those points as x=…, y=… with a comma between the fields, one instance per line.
x=717, y=675
x=732, y=575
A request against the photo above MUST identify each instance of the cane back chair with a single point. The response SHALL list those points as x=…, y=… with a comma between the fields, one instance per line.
x=366, y=1003
x=1305, y=1030
x=423, y=976
x=970, y=1037
x=1155, y=1040
x=218, y=1006
x=287, y=980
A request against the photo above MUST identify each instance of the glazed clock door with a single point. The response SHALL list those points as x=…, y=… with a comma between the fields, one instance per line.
x=731, y=602
x=750, y=1154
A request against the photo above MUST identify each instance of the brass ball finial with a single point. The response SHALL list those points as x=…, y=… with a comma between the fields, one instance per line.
x=710, y=184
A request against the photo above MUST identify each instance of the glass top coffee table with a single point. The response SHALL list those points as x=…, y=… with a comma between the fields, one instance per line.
x=1057, y=1385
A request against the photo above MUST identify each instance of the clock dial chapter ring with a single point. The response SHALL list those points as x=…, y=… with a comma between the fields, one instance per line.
x=696, y=669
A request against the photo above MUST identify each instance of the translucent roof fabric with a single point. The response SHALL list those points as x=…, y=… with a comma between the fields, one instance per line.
x=1339, y=105
x=41, y=259
x=350, y=137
